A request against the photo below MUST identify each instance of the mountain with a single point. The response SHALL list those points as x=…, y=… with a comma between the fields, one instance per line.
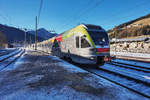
x=13, y=34
x=133, y=28
x=43, y=33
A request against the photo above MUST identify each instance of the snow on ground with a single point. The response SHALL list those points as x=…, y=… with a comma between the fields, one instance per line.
x=6, y=51
x=143, y=74
x=125, y=82
x=43, y=77
x=17, y=63
x=5, y=56
x=147, y=65
x=140, y=55
x=67, y=65
x=126, y=73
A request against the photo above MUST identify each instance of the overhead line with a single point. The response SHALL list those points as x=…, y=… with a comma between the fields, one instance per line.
x=39, y=13
x=83, y=12
x=74, y=17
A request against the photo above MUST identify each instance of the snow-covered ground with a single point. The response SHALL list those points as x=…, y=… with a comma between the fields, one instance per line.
x=147, y=65
x=122, y=80
x=13, y=65
x=140, y=55
x=5, y=56
x=36, y=76
x=126, y=73
x=6, y=51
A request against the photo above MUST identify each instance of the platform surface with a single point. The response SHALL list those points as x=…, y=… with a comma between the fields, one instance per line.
x=38, y=76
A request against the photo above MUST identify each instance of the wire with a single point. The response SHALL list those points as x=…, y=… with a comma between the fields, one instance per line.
x=6, y=18
x=74, y=16
x=84, y=11
x=39, y=13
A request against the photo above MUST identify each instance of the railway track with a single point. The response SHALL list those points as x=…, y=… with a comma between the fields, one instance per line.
x=9, y=59
x=137, y=66
x=6, y=56
x=137, y=85
x=4, y=52
x=130, y=80
x=130, y=66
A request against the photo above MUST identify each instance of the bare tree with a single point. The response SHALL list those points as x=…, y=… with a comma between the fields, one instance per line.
x=2, y=40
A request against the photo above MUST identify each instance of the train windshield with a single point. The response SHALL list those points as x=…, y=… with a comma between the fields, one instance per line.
x=99, y=38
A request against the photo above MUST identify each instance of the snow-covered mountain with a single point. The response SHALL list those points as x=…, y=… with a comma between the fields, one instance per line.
x=13, y=34
x=43, y=33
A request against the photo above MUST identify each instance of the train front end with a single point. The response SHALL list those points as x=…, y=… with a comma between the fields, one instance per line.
x=101, y=48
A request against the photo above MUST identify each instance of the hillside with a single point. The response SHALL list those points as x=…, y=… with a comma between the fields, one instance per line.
x=134, y=28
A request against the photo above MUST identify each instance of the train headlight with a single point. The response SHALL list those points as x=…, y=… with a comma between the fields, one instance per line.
x=92, y=58
x=107, y=58
x=94, y=49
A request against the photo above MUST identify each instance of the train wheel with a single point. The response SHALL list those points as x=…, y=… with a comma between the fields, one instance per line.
x=69, y=57
x=96, y=66
x=100, y=64
x=70, y=60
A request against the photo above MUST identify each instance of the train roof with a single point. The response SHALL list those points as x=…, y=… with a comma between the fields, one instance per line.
x=92, y=27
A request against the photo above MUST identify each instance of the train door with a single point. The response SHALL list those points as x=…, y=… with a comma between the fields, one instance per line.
x=77, y=45
x=84, y=47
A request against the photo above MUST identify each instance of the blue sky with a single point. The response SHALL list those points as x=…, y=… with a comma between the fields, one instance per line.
x=61, y=15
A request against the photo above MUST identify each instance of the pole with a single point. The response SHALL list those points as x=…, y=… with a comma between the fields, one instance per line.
x=115, y=41
x=25, y=38
x=126, y=32
x=30, y=42
x=36, y=33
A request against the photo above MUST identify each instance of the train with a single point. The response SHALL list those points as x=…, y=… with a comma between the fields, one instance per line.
x=84, y=44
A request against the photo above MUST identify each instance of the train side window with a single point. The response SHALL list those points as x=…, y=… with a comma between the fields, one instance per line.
x=84, y=43
x=77, y=42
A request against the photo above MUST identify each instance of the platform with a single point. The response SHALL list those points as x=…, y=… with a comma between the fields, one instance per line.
x=39, y=76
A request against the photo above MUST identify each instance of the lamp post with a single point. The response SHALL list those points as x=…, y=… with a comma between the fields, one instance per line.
x=25, y=37
x=36, y=33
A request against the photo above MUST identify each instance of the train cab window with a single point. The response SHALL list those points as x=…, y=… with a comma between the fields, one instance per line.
x=84, y=43
x=77, y=42
x=99, y=37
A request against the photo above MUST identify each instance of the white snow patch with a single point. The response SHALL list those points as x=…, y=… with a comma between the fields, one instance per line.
x=17, y=63
x=66, y=93
x=124, y=72
x=147, y=65
x=140, y=55
x=5, y=56
x=147, y=77
x=10, y=48
x=71, y=67
x=67, y=65
x=34, y=78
